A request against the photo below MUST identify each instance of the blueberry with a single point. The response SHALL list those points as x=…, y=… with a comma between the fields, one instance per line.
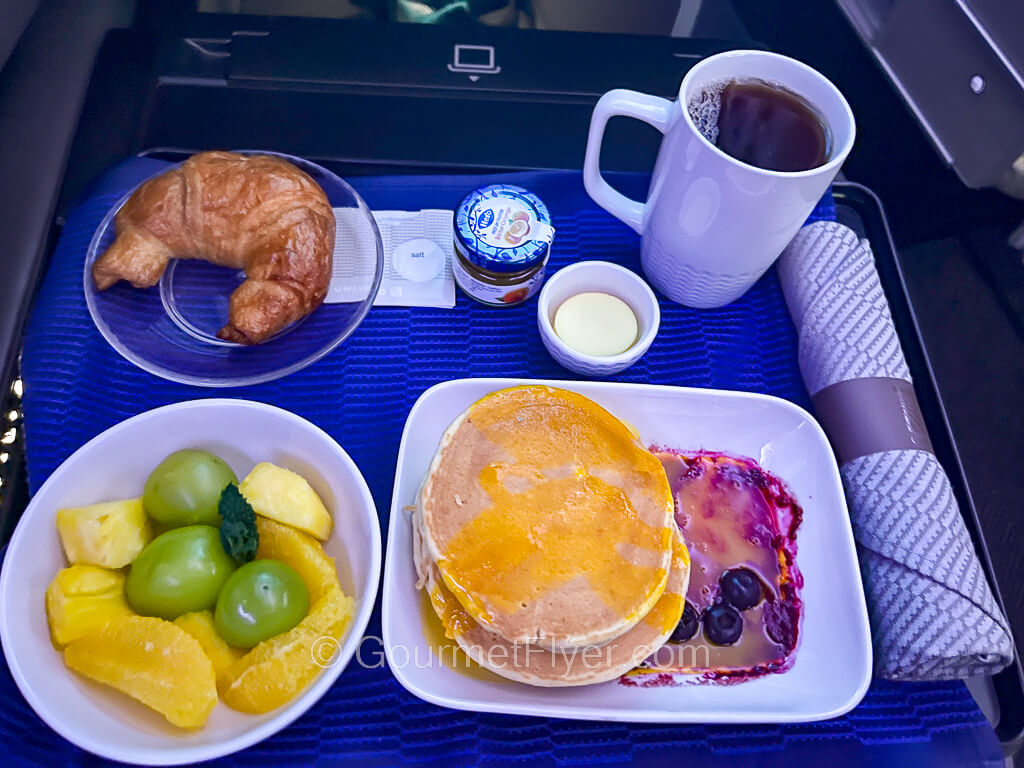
x=722, y=624
x=687, y=626
x=741, y=588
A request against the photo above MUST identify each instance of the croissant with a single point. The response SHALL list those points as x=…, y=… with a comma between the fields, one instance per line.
x=256, y=213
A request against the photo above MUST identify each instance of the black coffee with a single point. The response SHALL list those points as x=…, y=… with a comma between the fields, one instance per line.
x=762, y=124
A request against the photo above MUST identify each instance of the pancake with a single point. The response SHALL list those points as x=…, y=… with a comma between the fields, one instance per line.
x=547, y=519
x=539, y=666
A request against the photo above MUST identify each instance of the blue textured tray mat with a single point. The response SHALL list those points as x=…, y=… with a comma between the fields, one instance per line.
x=76, y=386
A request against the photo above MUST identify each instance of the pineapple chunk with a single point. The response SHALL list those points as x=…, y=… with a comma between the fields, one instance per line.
x=200, y=625
x=286, y=497
x=83, y=598
x=110, y=535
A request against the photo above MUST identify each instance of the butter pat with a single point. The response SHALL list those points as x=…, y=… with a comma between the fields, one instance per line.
x=596, y=324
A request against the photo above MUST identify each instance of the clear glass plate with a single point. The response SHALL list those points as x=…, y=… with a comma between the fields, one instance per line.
x=170, y=330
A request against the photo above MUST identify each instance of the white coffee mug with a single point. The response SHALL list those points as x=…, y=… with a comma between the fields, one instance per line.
x=713, y=224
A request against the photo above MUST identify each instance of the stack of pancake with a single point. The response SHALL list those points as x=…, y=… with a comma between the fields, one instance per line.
x=544, y=536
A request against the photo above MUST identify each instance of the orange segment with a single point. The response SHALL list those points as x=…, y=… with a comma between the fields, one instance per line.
x=151, y=660
x=277, y=670
x=299, y=550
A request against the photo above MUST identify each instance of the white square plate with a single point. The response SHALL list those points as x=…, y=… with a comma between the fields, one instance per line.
x=832, y=669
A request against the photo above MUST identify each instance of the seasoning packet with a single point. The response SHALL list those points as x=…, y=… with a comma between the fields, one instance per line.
x=417, y=258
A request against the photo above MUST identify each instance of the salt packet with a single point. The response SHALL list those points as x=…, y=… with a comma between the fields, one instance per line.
x=418, y=251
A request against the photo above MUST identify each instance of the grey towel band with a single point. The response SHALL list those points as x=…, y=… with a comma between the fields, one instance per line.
x=865, y=416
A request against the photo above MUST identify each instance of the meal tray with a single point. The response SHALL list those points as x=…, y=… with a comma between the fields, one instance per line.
x=76, y=386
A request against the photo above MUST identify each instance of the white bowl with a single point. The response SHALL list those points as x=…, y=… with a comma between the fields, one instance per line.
x=114, y=465
x=831, y=670
x=603, y=277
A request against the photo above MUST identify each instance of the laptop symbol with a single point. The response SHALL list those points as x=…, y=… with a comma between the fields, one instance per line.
x=475, y=59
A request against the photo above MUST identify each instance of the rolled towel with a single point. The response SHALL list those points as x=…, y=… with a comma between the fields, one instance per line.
x=933, y=615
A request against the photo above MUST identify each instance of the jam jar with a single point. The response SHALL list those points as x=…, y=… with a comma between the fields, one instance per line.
x=503, y=235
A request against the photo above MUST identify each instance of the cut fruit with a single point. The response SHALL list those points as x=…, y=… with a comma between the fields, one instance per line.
x=110, y=535
x=200, y=626
x=299, y=550
x=285, y=496
x=153, y=661
x=81, y=599
x=279, y=669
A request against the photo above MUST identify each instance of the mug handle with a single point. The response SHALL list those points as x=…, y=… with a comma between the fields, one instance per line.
x=654, y=110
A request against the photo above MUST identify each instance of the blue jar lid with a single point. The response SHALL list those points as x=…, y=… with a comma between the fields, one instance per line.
x=504, y=228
